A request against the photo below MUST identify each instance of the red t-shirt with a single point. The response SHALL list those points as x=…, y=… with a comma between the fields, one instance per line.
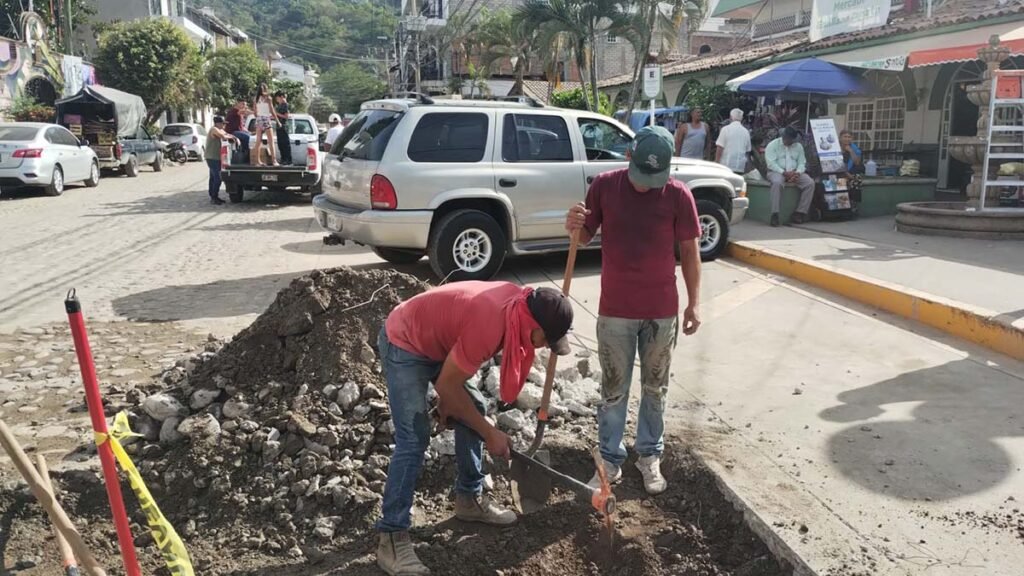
x=639, y=232
x=466, y=319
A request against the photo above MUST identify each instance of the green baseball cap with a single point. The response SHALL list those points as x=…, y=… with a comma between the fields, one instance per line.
x=651, y=157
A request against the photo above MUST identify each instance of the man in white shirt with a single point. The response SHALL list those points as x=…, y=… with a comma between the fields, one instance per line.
x=334, y=131
x=734, y=143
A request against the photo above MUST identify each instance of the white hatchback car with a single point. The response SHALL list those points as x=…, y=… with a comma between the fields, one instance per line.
x=44, y=155
x=192, y=136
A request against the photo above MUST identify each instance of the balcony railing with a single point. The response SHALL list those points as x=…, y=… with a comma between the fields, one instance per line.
x=783, y=24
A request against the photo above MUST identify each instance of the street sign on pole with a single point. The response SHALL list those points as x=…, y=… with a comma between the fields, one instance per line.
x=652, y=81
x=652, y=86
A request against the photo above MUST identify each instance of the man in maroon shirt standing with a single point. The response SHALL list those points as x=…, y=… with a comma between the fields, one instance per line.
x=443, y=336
x=642, y=214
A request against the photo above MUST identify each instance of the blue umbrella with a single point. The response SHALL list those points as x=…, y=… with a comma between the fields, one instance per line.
x=806, y=78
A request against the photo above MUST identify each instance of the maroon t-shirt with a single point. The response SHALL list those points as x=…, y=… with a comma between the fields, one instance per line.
x=234, y=121
x=639, y=232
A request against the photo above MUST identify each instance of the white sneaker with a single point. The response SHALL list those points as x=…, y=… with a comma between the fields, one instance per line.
x=650, y=469
x=613, y=472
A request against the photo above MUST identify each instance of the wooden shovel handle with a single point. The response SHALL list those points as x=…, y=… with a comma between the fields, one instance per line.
x=549, y=377
x=58, y=517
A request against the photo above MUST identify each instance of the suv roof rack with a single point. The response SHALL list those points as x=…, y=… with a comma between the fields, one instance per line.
x=523, y=99
x=420, y=97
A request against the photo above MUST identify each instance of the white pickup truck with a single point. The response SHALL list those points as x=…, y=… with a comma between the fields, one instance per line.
x=302, y=174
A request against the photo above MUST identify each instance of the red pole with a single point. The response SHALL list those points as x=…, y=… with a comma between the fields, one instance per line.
x=99, y=426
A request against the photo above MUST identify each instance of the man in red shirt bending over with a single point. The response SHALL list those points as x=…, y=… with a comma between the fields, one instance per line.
x=642, y=214
x=443, y=336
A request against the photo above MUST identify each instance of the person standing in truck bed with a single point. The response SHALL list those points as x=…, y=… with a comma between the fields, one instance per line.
x=281, y=112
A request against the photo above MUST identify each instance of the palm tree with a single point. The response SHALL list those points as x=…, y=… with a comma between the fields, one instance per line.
x=506, y=37
x=647, y=22
x=575, y=24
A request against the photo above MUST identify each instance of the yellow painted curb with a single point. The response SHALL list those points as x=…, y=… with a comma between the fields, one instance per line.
x=970, y=323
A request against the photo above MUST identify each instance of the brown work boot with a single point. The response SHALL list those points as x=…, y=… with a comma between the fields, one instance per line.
x=480, y=508
x=774, y=220
x=396, y=556
x=798, y=218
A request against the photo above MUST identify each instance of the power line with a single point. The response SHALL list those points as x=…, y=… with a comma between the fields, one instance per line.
x=347, y=57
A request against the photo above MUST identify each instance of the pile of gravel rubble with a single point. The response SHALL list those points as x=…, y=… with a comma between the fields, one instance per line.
x=284, y=433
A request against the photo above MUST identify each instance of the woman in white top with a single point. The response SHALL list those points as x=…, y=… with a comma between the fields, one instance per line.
x=265, y=124
x=692, y=137
x=734, y=143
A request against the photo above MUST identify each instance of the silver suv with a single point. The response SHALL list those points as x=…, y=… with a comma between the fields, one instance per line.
x=468, y=182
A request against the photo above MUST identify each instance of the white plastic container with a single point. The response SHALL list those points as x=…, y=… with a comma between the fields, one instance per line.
x=871, y=168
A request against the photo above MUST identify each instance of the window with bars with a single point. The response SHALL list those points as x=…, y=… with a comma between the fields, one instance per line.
x=878, y=126
x=611, y=38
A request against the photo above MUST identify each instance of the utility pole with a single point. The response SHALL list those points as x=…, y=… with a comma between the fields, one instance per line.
x=69, y=45
x=416, y=17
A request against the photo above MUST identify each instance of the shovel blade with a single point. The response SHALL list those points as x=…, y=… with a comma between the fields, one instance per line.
x=531, y=487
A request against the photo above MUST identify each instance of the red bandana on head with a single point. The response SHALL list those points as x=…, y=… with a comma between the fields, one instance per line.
x=517, y=353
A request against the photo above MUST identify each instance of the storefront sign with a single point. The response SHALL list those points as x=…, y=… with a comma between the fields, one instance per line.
x=831, y=17
x=890, y=64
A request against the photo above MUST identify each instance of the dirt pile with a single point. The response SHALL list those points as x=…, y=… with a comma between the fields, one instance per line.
x=287, y=429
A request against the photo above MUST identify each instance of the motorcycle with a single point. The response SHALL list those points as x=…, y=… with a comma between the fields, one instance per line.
x=175, y=152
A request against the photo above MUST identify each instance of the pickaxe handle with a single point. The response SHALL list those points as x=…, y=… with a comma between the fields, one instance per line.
x=549, y=377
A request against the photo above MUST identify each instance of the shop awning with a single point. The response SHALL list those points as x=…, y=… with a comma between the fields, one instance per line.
x=1013, y=40
x=734, y=84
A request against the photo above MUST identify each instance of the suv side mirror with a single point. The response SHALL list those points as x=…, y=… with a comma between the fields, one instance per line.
x=82, y=142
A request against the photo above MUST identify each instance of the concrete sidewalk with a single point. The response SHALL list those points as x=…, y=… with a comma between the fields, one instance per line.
x=857, y=443
x=970, y=288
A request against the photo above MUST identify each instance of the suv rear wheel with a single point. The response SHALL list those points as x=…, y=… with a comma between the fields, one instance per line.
x=714, y=229
x=467, y=245
x=397, y=255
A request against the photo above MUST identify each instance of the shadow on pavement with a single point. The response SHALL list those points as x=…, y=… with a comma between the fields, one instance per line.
x=947, y=450
x=33, y=192
x=197, y=200
x=220, y=299
x=870, y=253
x=291, y=225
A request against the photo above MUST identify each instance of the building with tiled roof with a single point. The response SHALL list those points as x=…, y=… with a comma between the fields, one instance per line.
x=919, y=62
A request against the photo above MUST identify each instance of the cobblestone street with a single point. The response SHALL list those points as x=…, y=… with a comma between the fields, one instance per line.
x=153, y=248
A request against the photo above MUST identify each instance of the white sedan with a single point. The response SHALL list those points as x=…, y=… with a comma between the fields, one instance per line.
x=44, y=155
x=191, y=136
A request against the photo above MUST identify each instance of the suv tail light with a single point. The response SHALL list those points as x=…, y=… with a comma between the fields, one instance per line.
x=117, y=150
x=382, y=193
x=311, y=159
x=224, y=155
x=28, y=153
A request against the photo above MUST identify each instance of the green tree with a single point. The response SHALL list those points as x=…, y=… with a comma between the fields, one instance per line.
x=11, y=10
x=321, y=108
x=575, y=24
x=155, y=60
x=577, y=100
x=651, y=26
x=314, y=31
x=233, y=74
x=505, y=37
x=350, y=84
x=296, y=92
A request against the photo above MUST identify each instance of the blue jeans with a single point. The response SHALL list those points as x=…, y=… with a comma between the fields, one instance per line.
x=407, y=376
x=214, y=166
x=618, y=341
x=243, y=145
